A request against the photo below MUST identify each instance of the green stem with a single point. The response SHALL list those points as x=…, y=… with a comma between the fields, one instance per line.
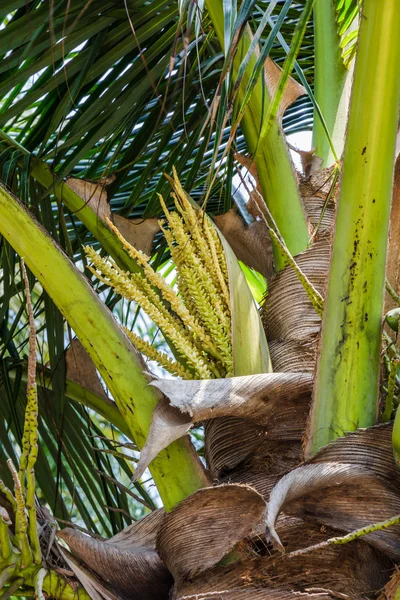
x=5, y=544
x=346, y=388
x=332, y=83
x=350, y=537
x=177, y=471
x=392, y=292
x=396, y=437
x=108, y=240
x=274, y=165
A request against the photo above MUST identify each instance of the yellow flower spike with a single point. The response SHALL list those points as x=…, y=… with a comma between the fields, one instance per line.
x=218, y=258
x=153, y=354
x=164, y=207
x=196, y=320
x=194, y=226
x=198, y=259
x=219, y=332
x=179, y=260
x=194, y=218
x=205, y=298
x=137, y=288
x=30, y=436
x=189, y=254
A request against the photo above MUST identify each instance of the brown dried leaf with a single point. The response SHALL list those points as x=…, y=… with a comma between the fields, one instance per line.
x=95, y=589
x=307, y=480
x=81, y=369
x=229, y=442
x=133, y=570
x=141, y=534
x=269, y=461
x=206, y=526
x=292, y=91
x=352, y=571
x=139, y=233
x=251, y=243
x=257, y=398
x=93, y=193
x=276, y=401
x=351, y=483
x=349, y=572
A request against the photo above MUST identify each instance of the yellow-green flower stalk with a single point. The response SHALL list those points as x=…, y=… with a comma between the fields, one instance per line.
x=21, y=561
x=196, y=318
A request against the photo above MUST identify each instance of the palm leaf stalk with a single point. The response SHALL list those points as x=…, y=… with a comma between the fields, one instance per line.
x=274, y=166
x=332, y=82
x=75, y=203
x=113, y=355
x=345, y=395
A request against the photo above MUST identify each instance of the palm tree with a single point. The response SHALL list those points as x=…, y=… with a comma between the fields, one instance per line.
x=301, y=492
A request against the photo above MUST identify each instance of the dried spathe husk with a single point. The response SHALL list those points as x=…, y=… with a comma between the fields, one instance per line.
x=206, y=526
x=276, y=401
x=81, y=369
x=127, y=563
x=139, y=233
x=351, y=483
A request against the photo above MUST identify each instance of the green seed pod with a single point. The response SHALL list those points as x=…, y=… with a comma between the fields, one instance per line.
x=392, y=319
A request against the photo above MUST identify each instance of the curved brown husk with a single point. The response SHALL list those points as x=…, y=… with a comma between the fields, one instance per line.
x=127, y=563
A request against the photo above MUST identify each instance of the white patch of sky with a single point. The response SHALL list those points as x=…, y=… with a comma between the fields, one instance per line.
x=301, y=140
